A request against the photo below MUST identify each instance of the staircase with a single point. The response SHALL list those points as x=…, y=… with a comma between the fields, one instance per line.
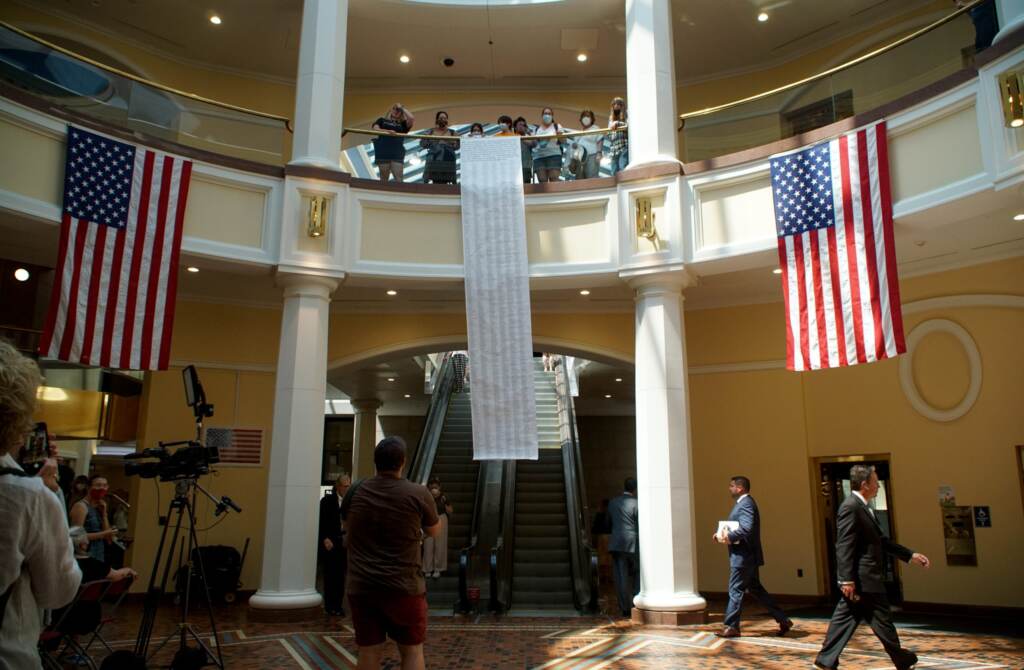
x=542, y=570
x=455, y=467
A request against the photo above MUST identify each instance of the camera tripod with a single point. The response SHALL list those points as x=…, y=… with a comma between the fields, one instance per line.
x=185, y=493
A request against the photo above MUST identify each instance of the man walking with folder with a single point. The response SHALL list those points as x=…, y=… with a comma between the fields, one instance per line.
x=743, y=536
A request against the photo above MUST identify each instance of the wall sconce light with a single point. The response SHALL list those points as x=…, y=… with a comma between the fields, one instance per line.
x=317, y=223
x=645, y=219
x=1011, y=90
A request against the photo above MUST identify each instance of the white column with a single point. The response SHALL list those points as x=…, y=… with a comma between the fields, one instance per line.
x=320, y=85
x=650, y=83
x=364, y=437
x=1011, y=17
x=296, y=451
x=668, y=548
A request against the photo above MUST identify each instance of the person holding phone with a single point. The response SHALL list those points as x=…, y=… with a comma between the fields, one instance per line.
x=91, y=513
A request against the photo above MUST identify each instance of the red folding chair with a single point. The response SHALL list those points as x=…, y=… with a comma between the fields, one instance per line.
x=113, y=596
x=78, y=618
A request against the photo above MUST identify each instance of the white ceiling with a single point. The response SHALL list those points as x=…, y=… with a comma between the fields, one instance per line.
x=531, y=46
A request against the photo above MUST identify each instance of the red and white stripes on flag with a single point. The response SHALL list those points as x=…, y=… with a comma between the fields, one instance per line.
x=117, y=272
x=833, y=211
x=238, y=446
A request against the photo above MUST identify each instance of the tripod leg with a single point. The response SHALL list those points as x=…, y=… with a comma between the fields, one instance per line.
x=194, y=542
x=153, y=594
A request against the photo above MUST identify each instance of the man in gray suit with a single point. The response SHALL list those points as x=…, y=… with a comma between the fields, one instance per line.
x=624, y=546
x=745, y=559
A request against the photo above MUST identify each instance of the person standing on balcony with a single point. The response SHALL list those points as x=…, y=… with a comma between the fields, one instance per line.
x=505, y=127
x=586, y=150
x=440, y=167
x=547, y=154
x=624, y=546
x=522, y=129
x=618, y=143
x=435, y=548
x=389, y=152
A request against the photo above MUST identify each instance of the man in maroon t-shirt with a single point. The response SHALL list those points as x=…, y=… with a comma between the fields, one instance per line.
x=385, y=519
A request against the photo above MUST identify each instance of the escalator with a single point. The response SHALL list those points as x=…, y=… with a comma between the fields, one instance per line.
x=543, y=559
x=445, y=451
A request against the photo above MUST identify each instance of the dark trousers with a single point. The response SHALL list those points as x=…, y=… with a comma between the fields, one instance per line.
x=335, y=565
x=872, y=608
x=747, y=580
x=626, y=570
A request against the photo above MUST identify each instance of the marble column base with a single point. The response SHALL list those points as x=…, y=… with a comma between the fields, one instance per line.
x=303, y=615
x=662, y=618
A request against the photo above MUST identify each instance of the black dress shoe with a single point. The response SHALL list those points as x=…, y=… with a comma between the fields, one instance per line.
x=785, y=627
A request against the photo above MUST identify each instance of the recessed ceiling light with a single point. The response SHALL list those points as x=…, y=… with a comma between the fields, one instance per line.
x=407, y=395
x=215, y=20
x=1019, y=217
x=607, y=395
x=1017, y=123
x=21, y=274
x=192, y=268
x=762, y=17
x=581, y=57
x=391, y=379
x=404, y=59
x=618, y=379
x=392, y=292
x=584, y=292
x=777, y=271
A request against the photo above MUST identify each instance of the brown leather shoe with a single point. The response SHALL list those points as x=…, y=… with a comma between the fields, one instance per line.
x=785, y=627
x=728, y=631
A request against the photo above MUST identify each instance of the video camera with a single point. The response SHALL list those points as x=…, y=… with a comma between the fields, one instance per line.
x=191, y=459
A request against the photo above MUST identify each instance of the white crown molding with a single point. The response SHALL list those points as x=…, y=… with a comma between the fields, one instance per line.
x=45, y=212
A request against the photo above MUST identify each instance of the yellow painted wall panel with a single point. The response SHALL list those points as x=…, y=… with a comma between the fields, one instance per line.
x=567, y=234
x=935, y=155
x=736, y=213
x=411, y=236
x=223, y=213
x=31, y=163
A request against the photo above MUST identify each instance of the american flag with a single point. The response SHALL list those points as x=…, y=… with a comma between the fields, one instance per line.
x=833, y=215
x=238, y=446
x=117, y=272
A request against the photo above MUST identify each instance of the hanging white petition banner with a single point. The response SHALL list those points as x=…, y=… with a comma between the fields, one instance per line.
x=498, y=300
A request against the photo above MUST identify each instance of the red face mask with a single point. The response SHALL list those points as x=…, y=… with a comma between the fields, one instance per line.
x=97, y=494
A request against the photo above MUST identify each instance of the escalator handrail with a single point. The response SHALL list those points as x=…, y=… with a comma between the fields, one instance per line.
x=422, y=460
x=462, y=604
x=501, y=553
x=585, y=573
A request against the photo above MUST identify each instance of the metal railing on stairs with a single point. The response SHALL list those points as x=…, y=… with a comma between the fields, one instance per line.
x=500, y=563
x=422, y=460
x=584, y=557
x=464, y=603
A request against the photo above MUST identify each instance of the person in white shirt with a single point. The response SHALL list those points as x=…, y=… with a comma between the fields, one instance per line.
x=37, y=562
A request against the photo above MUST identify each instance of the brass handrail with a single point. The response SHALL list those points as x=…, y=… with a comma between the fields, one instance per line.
x=457, y=138
x=838, y=68
x=128, y=75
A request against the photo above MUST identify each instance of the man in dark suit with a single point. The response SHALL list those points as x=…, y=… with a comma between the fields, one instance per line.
x=861, y=549
x=745, y=560
x=624, y=546
x=333, y=553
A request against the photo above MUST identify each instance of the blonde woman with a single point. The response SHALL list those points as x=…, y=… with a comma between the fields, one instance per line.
x=37, y=564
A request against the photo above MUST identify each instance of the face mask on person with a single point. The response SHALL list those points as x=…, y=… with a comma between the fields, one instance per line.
x=442, y=123
x=476, y=133
x=587, y=121
x=505, y=127
x=547, y=118
x=97, y=494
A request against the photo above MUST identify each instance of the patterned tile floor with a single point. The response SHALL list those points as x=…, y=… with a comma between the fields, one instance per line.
x=589, y=643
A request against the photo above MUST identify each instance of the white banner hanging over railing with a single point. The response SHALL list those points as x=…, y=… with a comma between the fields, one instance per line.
x=498, y=300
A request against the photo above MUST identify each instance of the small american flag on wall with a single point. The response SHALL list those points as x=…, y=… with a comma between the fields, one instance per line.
x=237, y=446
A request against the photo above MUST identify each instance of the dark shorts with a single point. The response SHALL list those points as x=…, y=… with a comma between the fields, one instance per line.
x=398, y=616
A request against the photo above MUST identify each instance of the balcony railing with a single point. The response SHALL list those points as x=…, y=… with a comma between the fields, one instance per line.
x=854, y=87
x=89, y=89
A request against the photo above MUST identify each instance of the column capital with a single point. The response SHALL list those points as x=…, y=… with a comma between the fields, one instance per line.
x=311, y=285
x=665, y=278
x=366, y=405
